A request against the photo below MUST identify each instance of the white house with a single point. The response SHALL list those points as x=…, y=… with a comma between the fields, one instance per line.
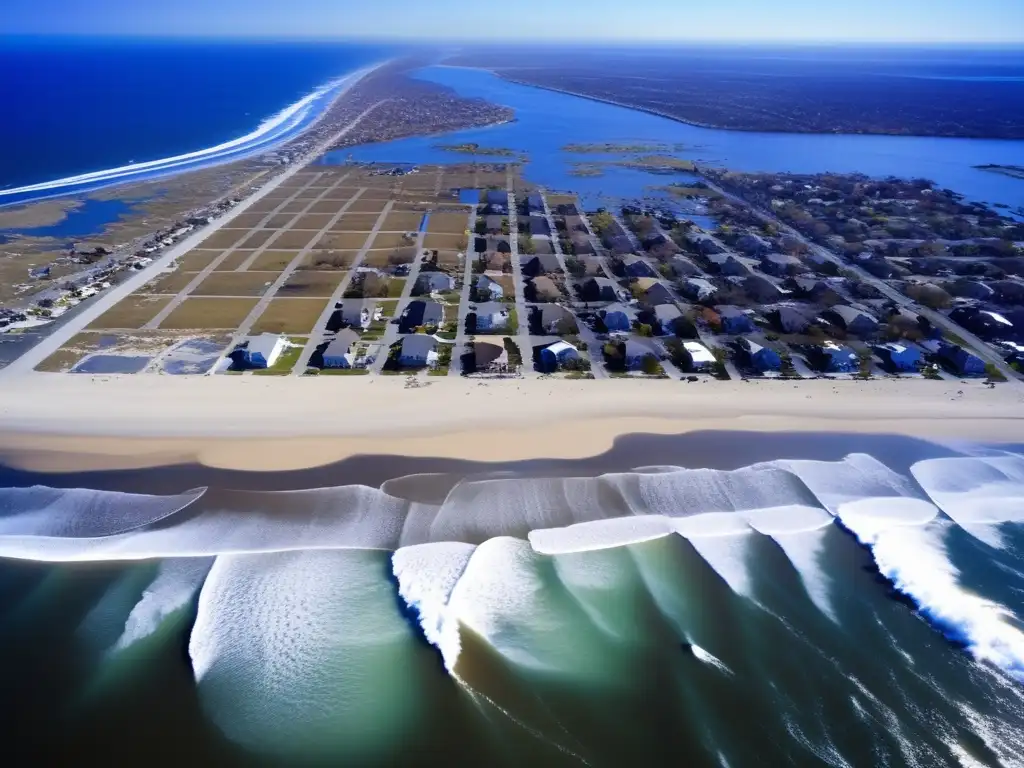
x=338, y=353
x=701, y=355
x=263, y=350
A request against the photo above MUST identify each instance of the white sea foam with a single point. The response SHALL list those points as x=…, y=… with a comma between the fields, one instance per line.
x=978, y=493
x=914, y=559
x=300, y=654
x=427, y=574
x=81, y=513
x=274, y=130
x=710, y=659
x=176, y=583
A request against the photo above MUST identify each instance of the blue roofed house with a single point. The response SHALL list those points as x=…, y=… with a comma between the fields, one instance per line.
x=899, y=357
x=762, y=358
x=535, y=203
x=960, y=360
x=697, y=289
x=428, y=282
x=496, y=201
x=557, y=354
x=418, y=350
x=735, y=320
x=616, y=318
x=839, y=359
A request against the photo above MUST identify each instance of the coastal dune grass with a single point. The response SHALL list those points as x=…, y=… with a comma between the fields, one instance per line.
x=448, y=223
x=194, y=261
x=171, y=284
x=289, y=316
x=131, y=312
x=356, y=222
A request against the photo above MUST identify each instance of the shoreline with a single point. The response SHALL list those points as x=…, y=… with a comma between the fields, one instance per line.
x=712, y=127
x=152, y=170
x=65, y=423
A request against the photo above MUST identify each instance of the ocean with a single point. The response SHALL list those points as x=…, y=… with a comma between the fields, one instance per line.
x=739, y=600
x=80, y=106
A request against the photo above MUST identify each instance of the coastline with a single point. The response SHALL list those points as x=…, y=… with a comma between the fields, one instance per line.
x=733, y=129
x=66, y=423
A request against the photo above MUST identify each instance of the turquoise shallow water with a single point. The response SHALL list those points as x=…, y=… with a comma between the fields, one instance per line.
x=547, y=121
x=863, y=610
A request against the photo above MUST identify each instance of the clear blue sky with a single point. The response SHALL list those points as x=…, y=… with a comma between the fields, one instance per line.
x=767, y=20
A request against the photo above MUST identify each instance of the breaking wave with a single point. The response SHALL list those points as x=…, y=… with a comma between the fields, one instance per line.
x=558, y=578
x=273, y=131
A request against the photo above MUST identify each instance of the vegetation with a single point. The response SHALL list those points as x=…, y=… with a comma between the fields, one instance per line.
x=472, y=148
x=614, y=149
x=515, y=357
x=994, y=374
x=526, y=244
x=602, y=221
x=575, y=267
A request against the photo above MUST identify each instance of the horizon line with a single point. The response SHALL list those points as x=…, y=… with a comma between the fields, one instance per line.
x=476, y=42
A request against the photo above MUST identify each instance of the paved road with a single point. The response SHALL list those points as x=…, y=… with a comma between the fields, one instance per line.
x=60, y=336
x=461, y=338
x=523, y=332
x=319, y=335
x=978, y=347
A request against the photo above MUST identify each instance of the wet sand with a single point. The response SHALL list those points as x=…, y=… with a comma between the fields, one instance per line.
x=59, y=423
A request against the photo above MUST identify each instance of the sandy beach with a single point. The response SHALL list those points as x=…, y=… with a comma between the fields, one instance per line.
x=52, y=422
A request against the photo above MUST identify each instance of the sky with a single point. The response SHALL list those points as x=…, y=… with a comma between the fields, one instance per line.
x=945, y=21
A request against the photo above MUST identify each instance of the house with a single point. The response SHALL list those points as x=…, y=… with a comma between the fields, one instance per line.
x=909, y=323
x=338, y=354
x=430, y=282
x=657, y=293
x=735, y=320
x=972, y=289
x=1008, y=292
x=487, y=317
x=635, y=266
x=791, y=318
x=761, y=289
x=619, y=244
x=263, y=350
x=599, y=289
x=557, y=354
x=899, y=357
x=541, y=264
x=535, y=203
x=960, y=361
x=697, y=289
x=541, y=289
x=781, y=265
x=538, y=225
x=485, y=284
x=637, y=350
x=552, y=319
x=753, y=245
x=703, y=243
x=727, y=264
x=421, y=313
x=852, y=320
x=666, y=316
x=759, y=357
x=837, y=359
x=616, y=317
x=418, y=350
x=489, y=357
x=701, y=356
x=683, y=267
x=985, y=323
x=807, y=287
x=493, y=224
x=496, y=201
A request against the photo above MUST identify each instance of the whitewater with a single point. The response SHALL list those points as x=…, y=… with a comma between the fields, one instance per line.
x=272, y=132
x=520, y=583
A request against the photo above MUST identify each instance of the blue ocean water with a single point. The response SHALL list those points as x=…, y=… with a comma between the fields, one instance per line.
x=75, y=105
